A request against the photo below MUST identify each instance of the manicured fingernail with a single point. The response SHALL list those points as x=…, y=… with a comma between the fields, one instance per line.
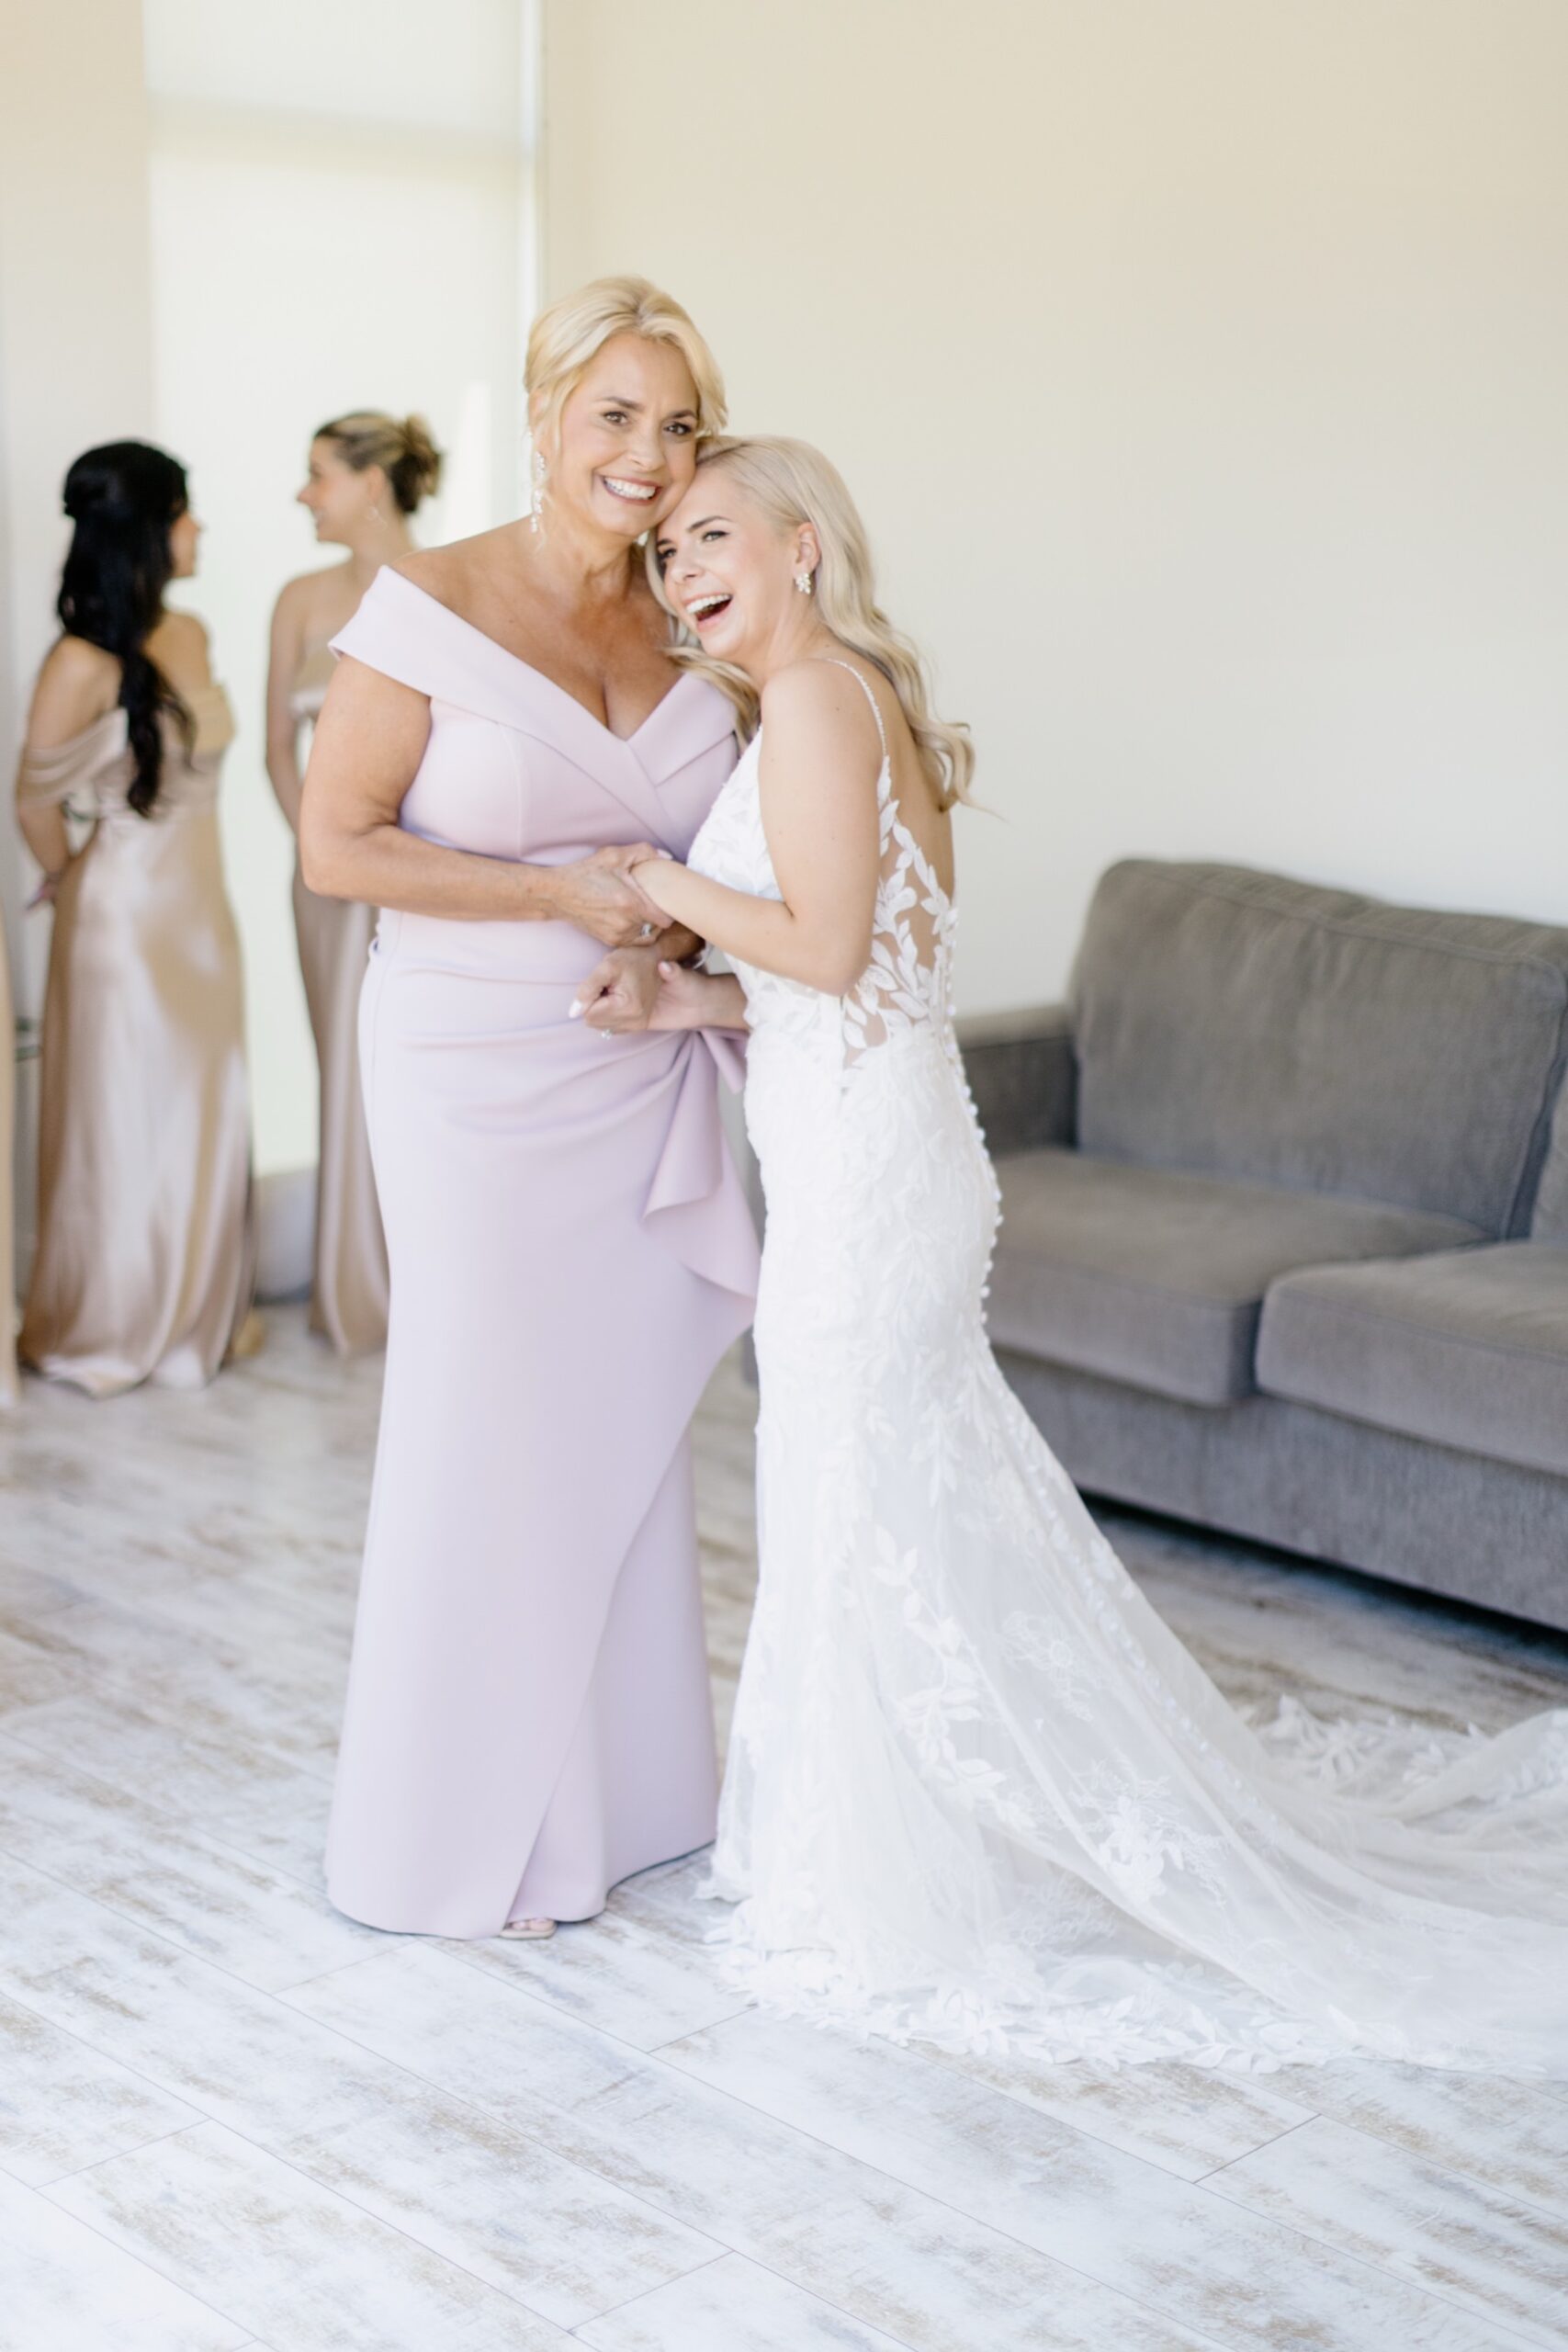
x=667, y=971
x=575, y=1009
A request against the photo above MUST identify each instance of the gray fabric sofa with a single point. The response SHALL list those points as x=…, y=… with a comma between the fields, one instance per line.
x=1285, y=1224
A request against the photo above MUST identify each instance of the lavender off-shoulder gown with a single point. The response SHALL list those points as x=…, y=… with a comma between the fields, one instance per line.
x=529, y=1717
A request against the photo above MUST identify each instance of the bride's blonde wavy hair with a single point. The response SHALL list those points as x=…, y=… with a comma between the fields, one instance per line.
x=791, y=483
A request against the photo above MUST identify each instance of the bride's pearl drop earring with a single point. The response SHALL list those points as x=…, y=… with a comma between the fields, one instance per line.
x=805, y=582
x=536, y=504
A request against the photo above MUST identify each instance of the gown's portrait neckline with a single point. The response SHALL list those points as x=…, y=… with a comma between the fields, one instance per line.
x=686, y=677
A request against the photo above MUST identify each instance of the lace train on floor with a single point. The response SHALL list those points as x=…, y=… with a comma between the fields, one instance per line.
x=978, y=1793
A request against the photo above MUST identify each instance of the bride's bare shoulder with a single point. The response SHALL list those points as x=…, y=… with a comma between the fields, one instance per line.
x=822, y=700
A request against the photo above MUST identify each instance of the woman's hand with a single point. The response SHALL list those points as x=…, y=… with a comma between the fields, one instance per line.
x=598, y=896
x=693, y=1000
x=619, y=994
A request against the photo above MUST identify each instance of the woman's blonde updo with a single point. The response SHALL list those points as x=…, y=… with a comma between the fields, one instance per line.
x=403, y=447
x=791, y=483
x=568, y=334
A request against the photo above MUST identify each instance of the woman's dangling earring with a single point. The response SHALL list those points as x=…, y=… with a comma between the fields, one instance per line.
x=536, y=504
x=805, y=582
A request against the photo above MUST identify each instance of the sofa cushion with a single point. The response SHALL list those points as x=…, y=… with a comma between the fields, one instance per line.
x=1240, y=1024
x=1158, y=1279
x=1468, y=1349
x=1550, y=1222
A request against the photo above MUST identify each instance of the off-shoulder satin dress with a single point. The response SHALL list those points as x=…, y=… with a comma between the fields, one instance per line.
x=348, y=1289
x=529, y=1717
x=146, y=1256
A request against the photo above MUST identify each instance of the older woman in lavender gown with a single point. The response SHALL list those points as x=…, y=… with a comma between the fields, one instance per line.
x=529, y=1717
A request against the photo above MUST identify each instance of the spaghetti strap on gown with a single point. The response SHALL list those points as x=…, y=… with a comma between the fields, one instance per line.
x=529, y=1717
x=978, y=1793
x=146, y=1247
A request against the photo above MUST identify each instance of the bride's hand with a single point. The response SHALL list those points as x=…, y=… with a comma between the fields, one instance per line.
x=619, y=994
x=599, y=895
x=680, y=998
x=691, y=999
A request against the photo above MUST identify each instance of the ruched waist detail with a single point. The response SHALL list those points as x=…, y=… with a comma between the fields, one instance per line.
x=553, y=952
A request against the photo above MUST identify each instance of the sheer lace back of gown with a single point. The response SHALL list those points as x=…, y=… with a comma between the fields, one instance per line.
x=907, y=984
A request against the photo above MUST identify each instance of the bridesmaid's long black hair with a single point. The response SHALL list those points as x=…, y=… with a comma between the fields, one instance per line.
x=124, y=498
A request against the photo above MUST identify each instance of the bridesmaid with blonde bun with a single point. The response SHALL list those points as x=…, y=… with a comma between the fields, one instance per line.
x=368, y=474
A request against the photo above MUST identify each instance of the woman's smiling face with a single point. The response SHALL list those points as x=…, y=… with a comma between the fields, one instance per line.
x=729, y=570
x=625, y=446
x=338, y=498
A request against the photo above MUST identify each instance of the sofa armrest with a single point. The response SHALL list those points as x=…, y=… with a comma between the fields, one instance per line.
x=1023, y=1076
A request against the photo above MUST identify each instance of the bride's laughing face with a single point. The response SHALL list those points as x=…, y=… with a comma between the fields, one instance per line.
x=626, y=446
x=730, y=571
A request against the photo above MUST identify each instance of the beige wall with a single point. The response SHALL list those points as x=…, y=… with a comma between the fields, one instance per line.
x=75, y=335
x=337, y=207
x=75, y=357
x=1203, y=370
x=219, y=224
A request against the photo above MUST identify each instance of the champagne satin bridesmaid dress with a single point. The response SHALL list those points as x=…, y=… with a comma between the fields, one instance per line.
x=348, y=1290
x=146, y=1253
x=7, y=1205
x=528, y=1716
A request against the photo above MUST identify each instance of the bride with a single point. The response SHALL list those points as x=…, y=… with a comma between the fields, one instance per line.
x=979, y=1794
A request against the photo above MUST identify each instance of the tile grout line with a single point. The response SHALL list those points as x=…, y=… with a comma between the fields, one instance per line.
x=944, y=2204
x=329, y=2189
x=1203, y=2178
x=1307, y=2238
x=294, y=2164
x=153, y=2140
x=143, y=2264
x=197, y=2123
x=161, y=1722
x=204, y=2116
x=133, y=1920
x=1556, y=2214
x=1096, y=2139
x=186, y=1824
x=725, y=2253
x=1313, y=2237
x=815, y=2294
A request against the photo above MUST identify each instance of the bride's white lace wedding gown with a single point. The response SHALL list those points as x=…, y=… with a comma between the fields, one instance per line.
x=978, y=1793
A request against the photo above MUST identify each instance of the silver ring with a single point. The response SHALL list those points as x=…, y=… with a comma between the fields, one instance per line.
x=646, y=932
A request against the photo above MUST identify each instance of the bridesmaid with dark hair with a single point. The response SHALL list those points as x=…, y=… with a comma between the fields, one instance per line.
x=368, y=474
x=145, y=1251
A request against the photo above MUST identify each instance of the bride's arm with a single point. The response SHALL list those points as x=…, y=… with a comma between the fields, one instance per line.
x=820, y=757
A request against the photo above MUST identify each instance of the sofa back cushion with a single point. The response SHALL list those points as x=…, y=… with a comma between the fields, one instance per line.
x=1239, y=1023
x=1550, y=1222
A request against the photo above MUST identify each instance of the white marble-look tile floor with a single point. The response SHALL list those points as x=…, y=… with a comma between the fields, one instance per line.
x=232, y=2121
